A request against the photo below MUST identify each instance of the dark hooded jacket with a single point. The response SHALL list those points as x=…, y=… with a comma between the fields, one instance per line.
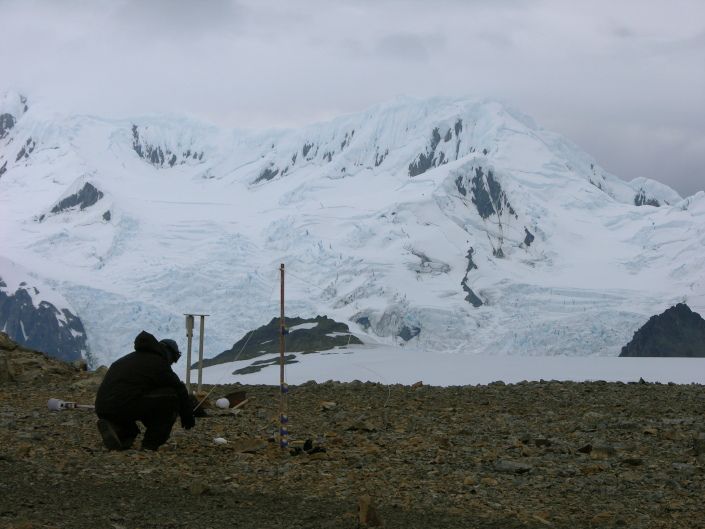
x=132, y=376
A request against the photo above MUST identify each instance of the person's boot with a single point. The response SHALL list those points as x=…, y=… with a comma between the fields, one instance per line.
x=168, y=447
x=108, y=431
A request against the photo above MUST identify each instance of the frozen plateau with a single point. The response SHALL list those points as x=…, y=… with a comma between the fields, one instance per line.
x=441, y=225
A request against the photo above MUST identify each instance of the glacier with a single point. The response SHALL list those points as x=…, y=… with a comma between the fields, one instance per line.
x=443, y=225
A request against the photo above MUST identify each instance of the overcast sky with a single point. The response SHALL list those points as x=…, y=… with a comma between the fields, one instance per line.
x=623, y=79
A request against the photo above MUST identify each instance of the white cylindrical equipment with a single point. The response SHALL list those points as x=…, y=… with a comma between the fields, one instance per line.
x=58, y=405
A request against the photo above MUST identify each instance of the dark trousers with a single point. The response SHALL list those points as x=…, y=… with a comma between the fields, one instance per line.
x=157, y=410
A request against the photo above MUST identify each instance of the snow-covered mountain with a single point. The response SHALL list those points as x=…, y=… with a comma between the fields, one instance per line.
x=440, y=224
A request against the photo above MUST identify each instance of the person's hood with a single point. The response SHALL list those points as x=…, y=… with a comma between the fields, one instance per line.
x=146, y=343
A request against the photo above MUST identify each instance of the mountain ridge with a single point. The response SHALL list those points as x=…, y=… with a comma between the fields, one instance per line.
x=458, y=220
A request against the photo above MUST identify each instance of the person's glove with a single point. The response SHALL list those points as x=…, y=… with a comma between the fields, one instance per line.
x=188, y=422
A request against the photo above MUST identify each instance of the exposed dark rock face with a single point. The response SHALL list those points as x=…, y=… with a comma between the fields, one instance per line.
x=379, y=158
x=258, y=365
x=430, y=158
x=267, y=174
x=157, y=156
x=460, y=186
x=488, y=196
x=44, y=328
x=7, y=121
x=425, y=161
x=490, y=200
x=642, y=200
x=326, y=335
x=471, y=296
x=310, y=151
x=346, y=141
x=26, y=149
x=85, y=198
x=678, y=332
x=471, y=263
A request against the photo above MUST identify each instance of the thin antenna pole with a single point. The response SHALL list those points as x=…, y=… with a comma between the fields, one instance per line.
x=283, y=388
x=200, y=352
x=189, y=338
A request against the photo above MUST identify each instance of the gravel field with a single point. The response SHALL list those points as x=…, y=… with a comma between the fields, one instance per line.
x=543, y=454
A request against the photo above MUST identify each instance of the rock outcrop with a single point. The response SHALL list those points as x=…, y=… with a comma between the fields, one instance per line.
x=313, y=335
x=20, y=364
x=678, y=332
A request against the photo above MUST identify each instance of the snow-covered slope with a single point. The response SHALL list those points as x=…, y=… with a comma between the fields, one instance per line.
x=443, y=225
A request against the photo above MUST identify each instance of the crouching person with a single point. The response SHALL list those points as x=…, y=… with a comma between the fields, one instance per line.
x=141, y=386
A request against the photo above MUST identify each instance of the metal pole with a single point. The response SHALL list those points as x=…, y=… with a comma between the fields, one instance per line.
x=281, y=328
x=200, y=352
x=189, y=336
x=283, y=388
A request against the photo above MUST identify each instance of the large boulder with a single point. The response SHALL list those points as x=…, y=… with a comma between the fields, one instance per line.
x=678, y=332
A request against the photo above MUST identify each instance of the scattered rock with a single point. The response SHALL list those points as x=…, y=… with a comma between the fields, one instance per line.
x=512, y=467
x=698, y=446
x=580, y=455
x=602, y=451
x=248, y=445
x=368, y=512
x=198, y=488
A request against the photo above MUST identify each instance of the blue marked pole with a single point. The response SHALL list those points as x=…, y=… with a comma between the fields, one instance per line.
x=283, y=388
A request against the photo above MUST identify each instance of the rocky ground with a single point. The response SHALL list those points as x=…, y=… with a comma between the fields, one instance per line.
x=544, y=454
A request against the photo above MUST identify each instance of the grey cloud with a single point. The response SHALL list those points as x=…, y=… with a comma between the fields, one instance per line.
x=410, y=47
x=623, y=32
x=669, y=154
x=178, y=18
x=498, y=40
x=610, y=76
